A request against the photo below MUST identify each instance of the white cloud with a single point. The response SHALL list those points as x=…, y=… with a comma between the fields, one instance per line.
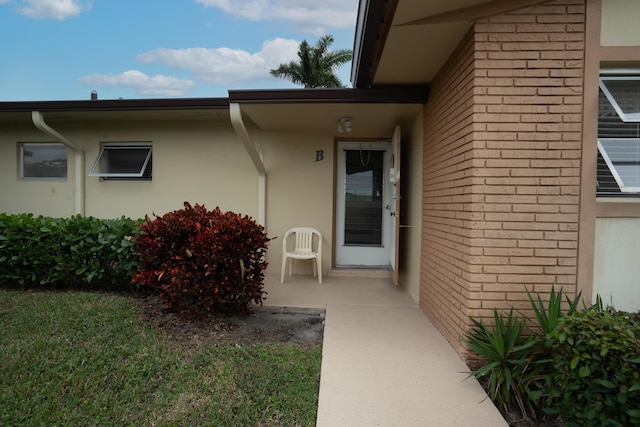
x=313, y=16
x=225, y=66
x=53, y=9
x=143, y=84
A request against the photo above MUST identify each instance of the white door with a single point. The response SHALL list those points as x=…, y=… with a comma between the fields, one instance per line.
x=364, y=202
x=394, y=229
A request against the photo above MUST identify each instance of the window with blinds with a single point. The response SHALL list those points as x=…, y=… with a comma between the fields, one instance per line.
x=618, y=172
x=623, y=93
x=130, y=161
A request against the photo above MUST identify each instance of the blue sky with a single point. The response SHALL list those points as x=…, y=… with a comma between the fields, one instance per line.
x=64, y=49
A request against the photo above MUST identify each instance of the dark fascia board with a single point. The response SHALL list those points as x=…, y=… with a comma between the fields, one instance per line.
x=372, y=28
x=397, y=95
x=380, y=95
x=117, y=105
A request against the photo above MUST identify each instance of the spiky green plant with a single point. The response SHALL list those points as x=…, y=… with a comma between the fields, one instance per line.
x=509, y=363
x=548, y=316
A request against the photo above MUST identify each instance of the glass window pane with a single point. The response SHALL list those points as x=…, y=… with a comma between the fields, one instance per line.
x=623, y=158
x=44, y=161
x=363, y=197
x=122, y=161
x=624, y=94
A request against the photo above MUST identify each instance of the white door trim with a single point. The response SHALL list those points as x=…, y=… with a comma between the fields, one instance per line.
x=362, y=256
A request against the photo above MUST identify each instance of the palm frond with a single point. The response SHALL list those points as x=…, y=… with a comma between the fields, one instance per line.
x=317, y=65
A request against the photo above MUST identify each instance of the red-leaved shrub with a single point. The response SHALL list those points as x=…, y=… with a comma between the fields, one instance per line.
x=202, y=261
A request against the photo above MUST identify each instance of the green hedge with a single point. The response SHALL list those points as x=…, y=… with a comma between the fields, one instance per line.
x=595, y=370
x=79, y=252
x=583, y=365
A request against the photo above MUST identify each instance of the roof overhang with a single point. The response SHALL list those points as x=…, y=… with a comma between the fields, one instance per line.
x=292, y=110
x=115, y=110
x=373, y=112
x=406, y=42
x=395, y=95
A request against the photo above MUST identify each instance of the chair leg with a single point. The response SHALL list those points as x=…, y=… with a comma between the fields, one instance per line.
x=291, y=267
x=284, y=267
x=314, y=266
x=319, y=266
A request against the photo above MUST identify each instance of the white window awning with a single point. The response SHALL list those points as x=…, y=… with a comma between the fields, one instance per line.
x=122, y=161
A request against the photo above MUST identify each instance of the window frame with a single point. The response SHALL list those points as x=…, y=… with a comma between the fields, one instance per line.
x=126, y=176
x=614, y=124
x=625, y=117
x=24, y=177
x=612, y=165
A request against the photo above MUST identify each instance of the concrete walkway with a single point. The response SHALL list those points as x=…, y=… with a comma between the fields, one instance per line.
x=383, y=362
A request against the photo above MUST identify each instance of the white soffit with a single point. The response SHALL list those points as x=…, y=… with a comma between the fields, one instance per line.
x=411, y=57
x=371, y=119
x=413, y=54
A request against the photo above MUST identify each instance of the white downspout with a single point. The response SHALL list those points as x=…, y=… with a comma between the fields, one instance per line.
x=238, y=124
x=38, y=121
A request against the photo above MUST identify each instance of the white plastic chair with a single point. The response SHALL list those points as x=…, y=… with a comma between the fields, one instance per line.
x=303, y=249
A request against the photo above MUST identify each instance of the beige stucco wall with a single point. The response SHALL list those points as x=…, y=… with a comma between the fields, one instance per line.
x=203, y=161
x=411, y=216
x=620, y=23
x=606, y=266
x=616, y=267
x=54, y=198
x=299, y=190
x=199, y=162
x=196, y=161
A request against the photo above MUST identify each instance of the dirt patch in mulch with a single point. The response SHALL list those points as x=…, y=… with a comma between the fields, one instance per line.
x=265, y=325
x=515, y=419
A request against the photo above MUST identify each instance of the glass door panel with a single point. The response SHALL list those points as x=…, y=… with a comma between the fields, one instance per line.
x=363, y=197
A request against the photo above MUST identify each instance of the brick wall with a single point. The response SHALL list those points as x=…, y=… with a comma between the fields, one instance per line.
x=502, y=150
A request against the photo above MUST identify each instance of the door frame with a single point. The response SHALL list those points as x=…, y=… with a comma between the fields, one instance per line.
x=357, y=256
x=394, y=189
x=380, y=144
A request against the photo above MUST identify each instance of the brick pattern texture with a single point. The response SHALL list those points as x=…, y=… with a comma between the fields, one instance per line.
x=502, y=149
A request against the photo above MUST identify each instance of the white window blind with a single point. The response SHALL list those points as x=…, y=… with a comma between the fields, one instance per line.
x=623, y=92
x=622, y=156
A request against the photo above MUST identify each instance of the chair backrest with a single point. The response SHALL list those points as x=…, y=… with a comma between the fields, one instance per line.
x=303, y=239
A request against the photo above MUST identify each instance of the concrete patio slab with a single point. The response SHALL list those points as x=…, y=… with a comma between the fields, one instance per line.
x=383, y=361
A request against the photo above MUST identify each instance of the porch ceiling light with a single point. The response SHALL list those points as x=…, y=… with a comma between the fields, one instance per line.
x=344, y=125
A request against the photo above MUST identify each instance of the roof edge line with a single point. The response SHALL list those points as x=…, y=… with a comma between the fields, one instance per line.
x=116, y=104
x=412, y=94
x=372, y=28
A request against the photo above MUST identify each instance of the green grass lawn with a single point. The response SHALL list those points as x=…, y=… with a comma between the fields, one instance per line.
x=86, y=359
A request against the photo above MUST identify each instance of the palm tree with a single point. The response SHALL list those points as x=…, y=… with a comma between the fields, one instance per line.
x=317, y=65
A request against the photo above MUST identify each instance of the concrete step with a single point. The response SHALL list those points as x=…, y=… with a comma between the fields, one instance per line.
x=378, y=273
